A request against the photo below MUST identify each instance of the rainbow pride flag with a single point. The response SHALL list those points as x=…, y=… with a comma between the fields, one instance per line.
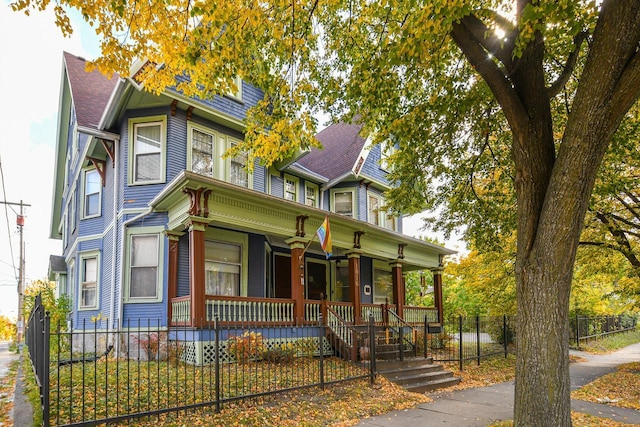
x=324, y=235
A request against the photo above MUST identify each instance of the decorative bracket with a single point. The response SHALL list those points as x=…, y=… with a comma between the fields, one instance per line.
x=197, y=199
x=401, y=250
x=109, y=148
x=189, y=111
x=174, y=107
x=300, y=219
x=356, y=239
x=100, y=166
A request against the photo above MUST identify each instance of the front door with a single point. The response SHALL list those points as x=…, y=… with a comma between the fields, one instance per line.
x=317, y=279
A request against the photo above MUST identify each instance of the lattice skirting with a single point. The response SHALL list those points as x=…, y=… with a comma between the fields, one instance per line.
x=204, y=352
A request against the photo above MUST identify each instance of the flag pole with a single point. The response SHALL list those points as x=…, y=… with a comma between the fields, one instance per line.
x=308, y=245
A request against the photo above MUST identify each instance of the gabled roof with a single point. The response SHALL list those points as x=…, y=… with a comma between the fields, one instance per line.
x=90, y=91
x=342, y=145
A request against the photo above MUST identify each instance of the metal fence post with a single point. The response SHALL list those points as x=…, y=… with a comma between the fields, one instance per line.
x=45, y=369
x=216, y=334
x=460, y=341
x=321, y=359
x=577, y=331
x=372, y=348
x=504, y=335
x=426, y=331
x=478, y=338
x=401, y=339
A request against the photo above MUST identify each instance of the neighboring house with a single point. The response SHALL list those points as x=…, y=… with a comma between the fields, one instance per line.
x=156, y=224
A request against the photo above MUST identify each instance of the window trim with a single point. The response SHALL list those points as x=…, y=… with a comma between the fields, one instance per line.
x=85, y=172
x=381, y=214
x=237, y=95
x=150, y=120
x=160, y=266
x=230, y=142
x=95, y=254
x=234, y=238
x=73, y=211
x=354, y=204
x=387, y=149
x=380, y=265
x=316, y=191
x=296, y=183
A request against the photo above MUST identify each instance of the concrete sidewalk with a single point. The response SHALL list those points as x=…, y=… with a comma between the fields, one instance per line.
x=479, y=407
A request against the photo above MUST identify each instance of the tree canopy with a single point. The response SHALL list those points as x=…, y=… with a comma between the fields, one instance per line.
x=442, y=81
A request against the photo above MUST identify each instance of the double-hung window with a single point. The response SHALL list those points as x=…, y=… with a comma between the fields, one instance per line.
x=343, y=202
x=374, y=214
x=144, y=253
x=89, y=281
x=223, y=267
x=291, y=188
x=238, y=174
x=92, y=193
x=311, y=194
x=147, y=152
x=382, y=284
x=203, y=152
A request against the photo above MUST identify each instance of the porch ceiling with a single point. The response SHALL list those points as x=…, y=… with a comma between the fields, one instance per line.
x=234, y=207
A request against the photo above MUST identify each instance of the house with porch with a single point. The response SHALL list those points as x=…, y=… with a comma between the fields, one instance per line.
x=156, y=224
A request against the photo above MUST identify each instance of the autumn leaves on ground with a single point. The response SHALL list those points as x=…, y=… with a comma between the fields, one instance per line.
x=345, y=404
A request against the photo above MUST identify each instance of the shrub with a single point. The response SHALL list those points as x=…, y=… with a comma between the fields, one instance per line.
x=281, y=353
x=245, y=347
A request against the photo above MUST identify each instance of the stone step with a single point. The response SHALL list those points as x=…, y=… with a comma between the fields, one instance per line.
x=416, y=374
x=432, y=385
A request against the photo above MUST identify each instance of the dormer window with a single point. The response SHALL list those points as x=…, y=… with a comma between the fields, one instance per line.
x=291, y=188
x=343, y=201
x=238, y=173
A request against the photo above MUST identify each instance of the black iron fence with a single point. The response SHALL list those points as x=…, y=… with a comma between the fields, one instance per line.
x=588, y=328
x=91, y=375
x=467, y=339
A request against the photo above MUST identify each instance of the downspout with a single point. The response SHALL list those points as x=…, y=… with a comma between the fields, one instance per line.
x=114, y=257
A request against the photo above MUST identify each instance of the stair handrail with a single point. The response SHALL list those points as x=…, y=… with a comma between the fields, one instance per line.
x=394, y=321
x=340, y=327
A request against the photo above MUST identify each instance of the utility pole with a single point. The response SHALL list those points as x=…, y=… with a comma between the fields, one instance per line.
x=20, y=223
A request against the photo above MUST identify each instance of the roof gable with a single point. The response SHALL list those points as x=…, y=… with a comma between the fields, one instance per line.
x=90, y=91
x=342, y=144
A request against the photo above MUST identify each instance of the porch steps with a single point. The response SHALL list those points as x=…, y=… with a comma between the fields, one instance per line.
x=417, y=374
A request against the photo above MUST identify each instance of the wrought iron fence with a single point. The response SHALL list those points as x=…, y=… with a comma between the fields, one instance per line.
x=588, y=328
x=465, y=339
x=92, y=375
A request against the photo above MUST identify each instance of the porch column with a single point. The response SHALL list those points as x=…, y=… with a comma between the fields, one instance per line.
x=437, y=293
x=398, y=288
x=197, y=227
x=297, y=245
x=172, y=271
x=354, y=284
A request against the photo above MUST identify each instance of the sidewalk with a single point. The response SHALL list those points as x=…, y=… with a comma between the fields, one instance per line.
x=479, y=407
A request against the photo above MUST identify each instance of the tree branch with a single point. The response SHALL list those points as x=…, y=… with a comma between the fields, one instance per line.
x=499, y=83
x=569, y=66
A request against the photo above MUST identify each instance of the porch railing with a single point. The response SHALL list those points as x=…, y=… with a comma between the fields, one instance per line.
x=181, y=310
x=343, y=309
x=242, y=309
x=415, y=315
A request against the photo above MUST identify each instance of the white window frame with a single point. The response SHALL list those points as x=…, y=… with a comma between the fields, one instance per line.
x=316, y=191
x=237, y=95
x=234, y=238
x=380, y=215
x=145, y=231
x=231, y=141
x=380, y=265
x=134, y=124
x=84, y=256
x=296, y=186
x=354, y=204
x=386, y=150
x=73, y=213
x=84, y=194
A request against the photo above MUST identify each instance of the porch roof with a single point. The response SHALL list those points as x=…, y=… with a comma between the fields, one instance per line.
x=239, y=208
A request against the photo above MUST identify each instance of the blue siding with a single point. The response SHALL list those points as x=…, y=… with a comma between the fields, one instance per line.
x=366, y=278
x=371, y=167
x=256, y=268
x=259, y=177
x=277, y=186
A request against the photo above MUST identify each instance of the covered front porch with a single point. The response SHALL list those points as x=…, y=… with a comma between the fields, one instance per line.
x=282, y=276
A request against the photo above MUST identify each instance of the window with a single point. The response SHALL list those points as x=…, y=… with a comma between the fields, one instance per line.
x=89, y=281
x=291, y=188
x=92, y=193
x=72, y=211
x=147, y=150
x=382, y=284
x=238, y=92
x=202, y=152
x=344, y=202
x=72, y=278
x=386, y=150
x=223, y=264
x=144, y=252
x=374, y=214
x=342, y=292
x=238, y=173
x=311, y=194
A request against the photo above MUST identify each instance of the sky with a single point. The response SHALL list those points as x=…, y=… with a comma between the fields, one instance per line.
x=31, y=49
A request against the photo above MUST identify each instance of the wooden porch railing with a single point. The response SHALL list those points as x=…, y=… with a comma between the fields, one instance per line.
x=229, y=309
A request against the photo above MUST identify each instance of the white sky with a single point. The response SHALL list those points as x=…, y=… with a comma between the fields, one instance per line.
x=30, y=71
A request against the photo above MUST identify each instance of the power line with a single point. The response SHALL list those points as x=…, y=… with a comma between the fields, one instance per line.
x=6, y=212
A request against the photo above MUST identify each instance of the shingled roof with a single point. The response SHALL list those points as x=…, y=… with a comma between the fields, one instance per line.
x=90, y=91
x=342, y=144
